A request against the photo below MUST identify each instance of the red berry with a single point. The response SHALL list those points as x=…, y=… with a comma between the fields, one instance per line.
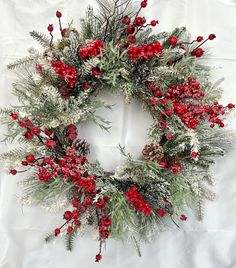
x=126, y=20
x=132, y=39
x=50, y=143
x=130, y=29
x=169, y=111
x=65, y=32
x=36, y=130
x=70, y=229
x=212, y=36
x=67, y=215
x=39, y=67
x=96, y=72
x=230, y=105
x=13, y=171
x=29, y=135
x=86, y=86
x=138, y=21
x=172, y=40
x=72, y=128
x=183, y=217
x=50, y=28
x=98, y=257
x=14, y=116
x=175, y=169
x=169, y=136
x=57, y=231
x=198, y=52
x=48, y=132
x=58, y=14
x=76, y=222
x=161, y=212
x=143, y=4
x=194, y=154
x=24, y=163
x=153, y=101
x=199, y=38
x=154, y=23
x=30, y=158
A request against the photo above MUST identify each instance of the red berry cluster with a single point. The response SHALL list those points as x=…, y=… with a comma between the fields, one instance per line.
x=65, y=72
x=136, y=200
x=181, y=97
x=92, y=49
x=71, y=132
x=145, y=51
x=31, y=130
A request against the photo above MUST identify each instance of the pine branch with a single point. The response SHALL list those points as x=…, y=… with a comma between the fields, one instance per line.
x=20, y=63
x=41, y=38
x=69, y=240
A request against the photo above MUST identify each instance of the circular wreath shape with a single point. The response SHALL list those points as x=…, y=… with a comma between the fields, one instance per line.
x=57, y=91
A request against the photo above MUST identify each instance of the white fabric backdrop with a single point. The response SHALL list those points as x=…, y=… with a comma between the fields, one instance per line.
x=210, y=244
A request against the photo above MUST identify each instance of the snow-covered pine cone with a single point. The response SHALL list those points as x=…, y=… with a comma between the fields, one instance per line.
x=153, y=152
x=82, y=146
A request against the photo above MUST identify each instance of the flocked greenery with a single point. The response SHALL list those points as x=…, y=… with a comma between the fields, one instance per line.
x=40, y=101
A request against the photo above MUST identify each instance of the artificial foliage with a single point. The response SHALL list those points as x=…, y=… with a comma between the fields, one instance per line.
x=116, y=51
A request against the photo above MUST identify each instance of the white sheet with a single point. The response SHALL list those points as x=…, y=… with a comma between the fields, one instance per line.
x=210, y=244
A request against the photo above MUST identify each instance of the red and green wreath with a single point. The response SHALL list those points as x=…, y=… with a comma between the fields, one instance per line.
x=57, y=88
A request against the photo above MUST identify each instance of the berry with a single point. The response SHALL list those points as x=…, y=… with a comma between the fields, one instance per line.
x=172, y=41
x=57, y=231
x=29, y=135
x=50, y=28
x=212, y=36
x=14, y=116
x=24, y=163
x=86, y=86
x=70, y=229
x=36, y=130
x=183, y=217
x=230, y=105
x=58, y=14
x=13, y=172
x=98, y=257
x=143, y=4
x=198, y=52
x=169, y=111
x=153, y=101
x=67, y=215
x=77, y=222
x=161, y=212
x=126, y=20
x=50, y=143
x=194, y=154
x=169, y=136
x=199, y=39
x=48, y=132
x=96, y=72
x=154, y=23
x=30, y=158
x=138, y=21
x=175, y=169
x=132, y=39
x=130, y=29
x=39, y=67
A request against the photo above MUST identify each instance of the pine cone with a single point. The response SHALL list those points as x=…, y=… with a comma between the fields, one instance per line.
x=153, y=152
x=173, y=160
x=82, y=146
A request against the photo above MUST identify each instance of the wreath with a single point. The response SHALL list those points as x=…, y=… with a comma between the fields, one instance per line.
x=57, y=90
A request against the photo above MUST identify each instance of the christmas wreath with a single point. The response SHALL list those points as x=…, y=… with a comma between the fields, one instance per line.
x=57, y=89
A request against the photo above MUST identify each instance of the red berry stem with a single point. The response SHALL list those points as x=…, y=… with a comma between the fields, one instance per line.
x=51, y=39
x=59, y=19
x=202, y=43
